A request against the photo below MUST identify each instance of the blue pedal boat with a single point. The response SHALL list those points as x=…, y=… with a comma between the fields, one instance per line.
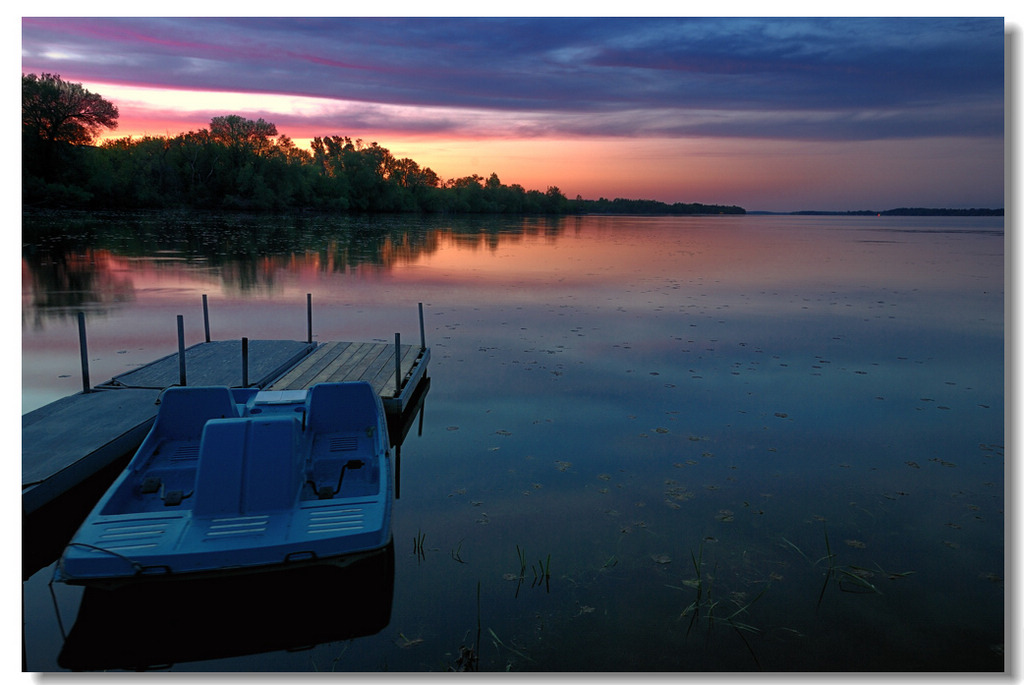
x=243, y=480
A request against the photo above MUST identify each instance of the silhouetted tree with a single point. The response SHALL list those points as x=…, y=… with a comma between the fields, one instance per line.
x=56, y=114
x=236, y=131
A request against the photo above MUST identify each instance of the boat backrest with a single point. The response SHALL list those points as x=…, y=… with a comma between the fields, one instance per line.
x=337, y=407
x=185, y=410
x=248, y=465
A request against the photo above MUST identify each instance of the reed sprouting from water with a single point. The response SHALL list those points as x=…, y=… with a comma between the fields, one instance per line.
x=457, y=553
x=469, y=657
x=847, y=578
x=541, y=571
x=705, y=604
x=417, y=545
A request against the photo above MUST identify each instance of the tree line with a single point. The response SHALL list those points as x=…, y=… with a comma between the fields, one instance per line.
x=624, y=206
x=239, y=163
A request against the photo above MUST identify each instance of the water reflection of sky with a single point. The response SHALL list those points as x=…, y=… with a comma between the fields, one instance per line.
x=626, y=388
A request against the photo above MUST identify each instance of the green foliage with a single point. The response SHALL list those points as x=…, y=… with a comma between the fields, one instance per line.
x=56, y=116
x=57, y=111
x=623, y=206
x=238, y=163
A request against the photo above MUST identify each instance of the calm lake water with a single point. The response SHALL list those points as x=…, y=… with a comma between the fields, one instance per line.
x=650, y=444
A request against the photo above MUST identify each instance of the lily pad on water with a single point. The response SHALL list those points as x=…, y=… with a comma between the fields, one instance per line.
x=661, y=558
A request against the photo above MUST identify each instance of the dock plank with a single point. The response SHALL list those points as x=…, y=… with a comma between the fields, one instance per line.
x=370, y=360
x=384, y=380
x=67, y=441
x=384, y=363
x=310, y=370
x=218, y=363
x=346, y=371
x=299, y=375
x=340, y=368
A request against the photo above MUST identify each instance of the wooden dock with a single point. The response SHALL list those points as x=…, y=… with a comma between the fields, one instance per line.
x=394, y=371
x=75, y=437
x=70, y=440
x=218, y=363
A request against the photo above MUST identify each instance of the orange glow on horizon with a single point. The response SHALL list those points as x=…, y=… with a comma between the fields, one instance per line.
x=757, y=174
x=590, y=167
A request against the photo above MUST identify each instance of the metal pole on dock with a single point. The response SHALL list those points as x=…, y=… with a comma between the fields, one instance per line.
x=423, y=337
x=86, y=386
x=309, y=317
x=398, y=364
x=245, y=362
x=206, y=318
x=181, y=349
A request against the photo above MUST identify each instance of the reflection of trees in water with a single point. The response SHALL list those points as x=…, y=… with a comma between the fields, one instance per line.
x=59, y=282
x=73, y=260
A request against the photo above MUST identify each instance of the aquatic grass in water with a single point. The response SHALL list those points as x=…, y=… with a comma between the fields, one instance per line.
x=456, y=554
x=417, y=546
x=705, y=604
x=849, y=578
x=541, y=571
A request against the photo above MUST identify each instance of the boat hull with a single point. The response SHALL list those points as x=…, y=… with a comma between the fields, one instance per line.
x=236, y=482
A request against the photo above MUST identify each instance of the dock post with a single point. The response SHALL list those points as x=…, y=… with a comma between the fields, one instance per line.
x=423, y=337
x=398, y=364
x=245, y=362
x=309, y=317
x=86, y=386
x=206, y=318
x=181, y=349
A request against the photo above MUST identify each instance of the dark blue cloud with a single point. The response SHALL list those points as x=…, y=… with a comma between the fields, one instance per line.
x=788, y=78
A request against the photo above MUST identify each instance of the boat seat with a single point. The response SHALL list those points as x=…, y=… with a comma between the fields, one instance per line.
x=173, y=440
x=185, y=410
x=342, y=407
x=248, y=466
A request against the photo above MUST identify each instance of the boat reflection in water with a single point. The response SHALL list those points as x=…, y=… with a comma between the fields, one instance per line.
x=156, y=624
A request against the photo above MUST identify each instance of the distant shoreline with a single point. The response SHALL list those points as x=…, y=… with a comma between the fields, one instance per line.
x=902, y=211
x=621, y=206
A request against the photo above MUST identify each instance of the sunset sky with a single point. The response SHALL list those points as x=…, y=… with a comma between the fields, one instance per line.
x=770, y=114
